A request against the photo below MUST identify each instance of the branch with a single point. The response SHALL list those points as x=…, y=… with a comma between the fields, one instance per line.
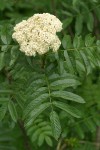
x=25, y=137
x=98, y=138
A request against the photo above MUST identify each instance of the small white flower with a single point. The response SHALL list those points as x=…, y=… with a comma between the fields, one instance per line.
x=38, y=34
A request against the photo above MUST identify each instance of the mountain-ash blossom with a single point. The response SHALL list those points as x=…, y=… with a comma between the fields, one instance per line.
x=38, y=34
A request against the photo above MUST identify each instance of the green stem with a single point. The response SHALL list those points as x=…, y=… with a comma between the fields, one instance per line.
x=49, y=92
x=43, y=60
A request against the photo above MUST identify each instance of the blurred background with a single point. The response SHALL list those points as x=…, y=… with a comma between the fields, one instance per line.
x=79, y=17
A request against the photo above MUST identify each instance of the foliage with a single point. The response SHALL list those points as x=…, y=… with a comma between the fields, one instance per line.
x=51, y=101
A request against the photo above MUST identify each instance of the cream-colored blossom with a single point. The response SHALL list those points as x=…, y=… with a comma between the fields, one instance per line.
x=38, y=34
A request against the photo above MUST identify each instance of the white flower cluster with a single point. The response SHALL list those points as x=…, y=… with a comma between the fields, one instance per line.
x=38, y=34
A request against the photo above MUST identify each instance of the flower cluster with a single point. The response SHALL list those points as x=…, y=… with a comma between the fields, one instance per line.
x=38, y=34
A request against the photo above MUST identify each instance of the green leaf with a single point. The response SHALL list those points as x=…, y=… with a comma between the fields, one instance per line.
x=86, y=62
x=79, y=131
x=77, y=42
x=64, y=83
x=36, y=134
x=67, y=13
x=67, y=22
x=98, y=46
x=3, y=110
x=4, y=48
x=68, y=62
x=35, y=113
x=75, y=2
x=68, y=96
x=12, y=110
x=20, y=99
x=55, y=123
x=69, y=109
x=48, y=141
x=6, y=91
x=35, y=102
x=4, y=100
x=66, y=42
x=5, y=37
x=90, y=21
x=61, y=66
x=80, y=66
x=38, y=82
x=90, y=124
x=2, y=60
x=89, y=40
x=29, y=60
x=79, y=24
x=96, y=120
x=41, y=139
x=14, y=55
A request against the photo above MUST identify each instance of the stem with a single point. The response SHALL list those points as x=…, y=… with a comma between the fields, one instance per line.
x=59, y=144
x=43, y=58
x=92, y=143
x=96, y=27
x=49, y=92
x=20, y=123
x=53, y=6
x=98, y=138
x=25, y=137
x=83, y=120
x=48, y=85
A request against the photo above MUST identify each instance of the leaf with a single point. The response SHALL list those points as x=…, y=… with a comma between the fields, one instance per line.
x=2, y=60
x=38, y=82
x=67, y=13
x=35, y=113
x=75, y=2
x=89, y=40
x=6, y=91
x=78, y=42
x=50, y=68
x=14, y=55
x=5, y=36
x=80, y=66
x=4, y=100
x=90, y=124
x=90, y=21
x=55, y=123
x=66, y=42
x=3, y=110
x=12, y=110
x=4, y=48
x=96, y=120
x=67, y=22
x=29, y=60
x=35, y=102
x=41, y=139
x=19, y=100
x=48, y=141
x=79, y=131
x=68, y=62
x=68, y=96
x=79, y=24
x=69, y=109
x=54, y=76
x=64, y=83
x=61, y=66
x=86, y=62
x=36, y=134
